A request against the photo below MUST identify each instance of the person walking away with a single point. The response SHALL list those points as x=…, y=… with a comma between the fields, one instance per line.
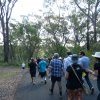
x=56, y=69
x=32, y=68
x=74, y=86
x=23, y=65
x=84, y=61
x=42, y=69
x=67, y=61
x=97, y=70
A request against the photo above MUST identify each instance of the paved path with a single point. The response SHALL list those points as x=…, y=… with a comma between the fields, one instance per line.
x=27, y=91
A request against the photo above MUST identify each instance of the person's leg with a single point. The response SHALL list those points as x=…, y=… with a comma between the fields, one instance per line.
x=98, y=97
x=70, y=95
x=42, y=77
x=59, y=85
x=31, y=76
x=89, y=83
x=32, y=79
x=98, y=84
x=79, y=95
x=45, y=77
x=53, y=80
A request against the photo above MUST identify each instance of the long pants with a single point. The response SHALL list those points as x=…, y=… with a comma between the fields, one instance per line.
x=88, y=81
x=98, y=84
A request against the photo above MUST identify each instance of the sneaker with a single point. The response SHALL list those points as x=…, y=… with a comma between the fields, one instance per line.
x=34, y=83
x=92, y=90
x=51, y=91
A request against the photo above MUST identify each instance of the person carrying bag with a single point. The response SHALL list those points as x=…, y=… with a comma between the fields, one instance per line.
x=85, y=89
x=74, y=84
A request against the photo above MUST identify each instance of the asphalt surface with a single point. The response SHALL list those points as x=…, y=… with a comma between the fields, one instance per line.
x=40, y=91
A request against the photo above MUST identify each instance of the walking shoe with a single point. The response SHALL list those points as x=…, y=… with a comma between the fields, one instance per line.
x=51, y=91
x=92, y=90
x=34, y=83
x=45, y=82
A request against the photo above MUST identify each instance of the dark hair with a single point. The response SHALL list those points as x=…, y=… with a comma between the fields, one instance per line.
x=69, y=53
x=82, y=53
x=97, y=58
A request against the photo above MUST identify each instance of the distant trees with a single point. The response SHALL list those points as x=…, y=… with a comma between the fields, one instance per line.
x=82, y=17
x=62, y=27
x=6, y=7
x=24, y=40
x=91, y=10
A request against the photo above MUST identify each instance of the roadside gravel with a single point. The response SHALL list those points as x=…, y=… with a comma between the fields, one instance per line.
x=9, y=80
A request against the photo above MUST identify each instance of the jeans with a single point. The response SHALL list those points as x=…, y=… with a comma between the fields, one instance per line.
x=88, y=81
x=98, y=84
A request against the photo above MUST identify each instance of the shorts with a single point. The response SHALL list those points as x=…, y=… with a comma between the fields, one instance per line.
x=54, y=79
x=33, y=73
x=42, y=74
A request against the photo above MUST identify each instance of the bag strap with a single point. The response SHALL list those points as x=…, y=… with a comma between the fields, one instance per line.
x=76, y=75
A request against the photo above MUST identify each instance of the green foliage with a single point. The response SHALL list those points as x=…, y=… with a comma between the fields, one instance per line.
x=3, y=64
x=76, y=49
x=25, y=40
x=96, y=47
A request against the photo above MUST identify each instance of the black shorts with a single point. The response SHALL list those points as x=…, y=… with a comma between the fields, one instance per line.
x=54, y=79
x=42, y=74
x=33, y=73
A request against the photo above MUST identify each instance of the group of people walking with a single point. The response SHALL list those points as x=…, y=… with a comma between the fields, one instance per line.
x=41, y=66
x=73, y=67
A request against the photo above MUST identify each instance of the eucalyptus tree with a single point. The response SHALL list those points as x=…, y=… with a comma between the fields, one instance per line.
x=77, y=27
x=6, y=7
x=58, y=34
x=91, y=9
x=25, y=39
x=56, y=24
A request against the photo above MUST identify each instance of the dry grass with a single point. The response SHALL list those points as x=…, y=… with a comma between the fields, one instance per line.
x=6, y=73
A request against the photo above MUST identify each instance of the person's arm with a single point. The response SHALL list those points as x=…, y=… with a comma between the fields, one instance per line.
x=66, y=75
x=95, y=73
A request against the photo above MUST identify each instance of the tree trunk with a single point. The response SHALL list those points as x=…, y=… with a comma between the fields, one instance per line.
x=87, y=35
x=6, y=43
x=95, y=32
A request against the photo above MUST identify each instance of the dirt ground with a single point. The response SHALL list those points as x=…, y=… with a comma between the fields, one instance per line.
x=9, y=79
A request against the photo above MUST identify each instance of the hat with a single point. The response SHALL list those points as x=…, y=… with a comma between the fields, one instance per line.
x=74, y=58
x=97, y=55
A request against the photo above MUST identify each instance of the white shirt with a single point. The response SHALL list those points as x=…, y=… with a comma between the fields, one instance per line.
x=23, y=65
x=67, y=62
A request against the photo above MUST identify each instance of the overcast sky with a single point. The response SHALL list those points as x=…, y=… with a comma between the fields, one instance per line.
x=25, y=7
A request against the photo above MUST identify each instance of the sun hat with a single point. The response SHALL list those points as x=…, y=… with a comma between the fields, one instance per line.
x=96, y=55
x=74, y=58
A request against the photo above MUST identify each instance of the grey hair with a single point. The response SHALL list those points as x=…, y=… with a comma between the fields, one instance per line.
x=56, y=55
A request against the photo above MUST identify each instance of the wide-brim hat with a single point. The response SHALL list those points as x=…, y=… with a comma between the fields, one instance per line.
x=96, y=55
